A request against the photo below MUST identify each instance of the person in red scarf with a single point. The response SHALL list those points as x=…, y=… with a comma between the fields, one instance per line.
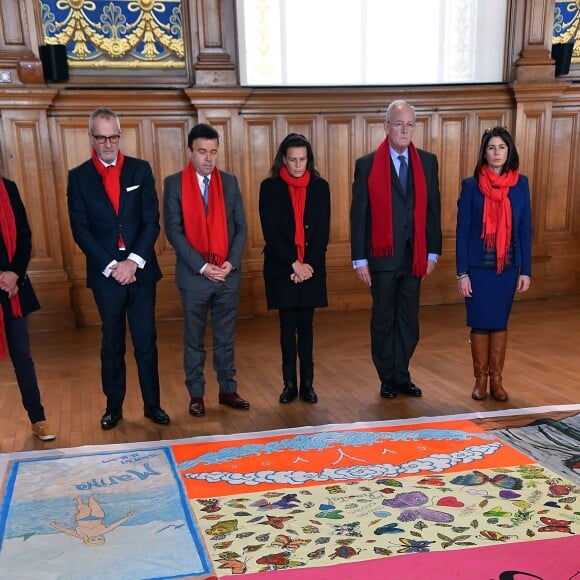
x=395, y=242
x=295, y=218
x=114, y=216
x=493, y=254
x=17, y=301
x=206, y=224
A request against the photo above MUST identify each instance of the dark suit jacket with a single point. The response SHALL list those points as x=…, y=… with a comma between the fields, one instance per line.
x=189, y=260
x=469, y=245
x=96, y=227
x=19, y=263
x=403, y=224
x=277, y=218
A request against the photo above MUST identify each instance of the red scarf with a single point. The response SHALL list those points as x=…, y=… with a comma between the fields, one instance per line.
x=8, y=229
x=208, y=234
x=297, y=187
x=497, y=212
x=379, y=184
x=111, y=175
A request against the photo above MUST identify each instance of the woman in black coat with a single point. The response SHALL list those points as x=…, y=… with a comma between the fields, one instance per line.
x=295, y=218
x=17, y=300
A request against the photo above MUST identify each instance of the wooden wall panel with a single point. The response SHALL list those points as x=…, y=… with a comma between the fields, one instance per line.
x=336, y=164
x=562, y=158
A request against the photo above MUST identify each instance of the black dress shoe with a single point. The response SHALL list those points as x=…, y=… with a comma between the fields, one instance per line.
x=308, y=395
x=196, y=407
x=233, y=400
x=157, y=415
x=110, y=419
x=410, y=389
x=289, y=394
x=388, y=390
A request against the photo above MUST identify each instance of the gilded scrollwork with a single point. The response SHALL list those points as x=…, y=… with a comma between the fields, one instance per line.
x=116, y=34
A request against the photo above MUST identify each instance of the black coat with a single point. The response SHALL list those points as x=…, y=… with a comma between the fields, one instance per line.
x=277, y=219
x=19, y=263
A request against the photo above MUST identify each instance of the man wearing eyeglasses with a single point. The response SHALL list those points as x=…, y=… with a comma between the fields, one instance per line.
x=114, y=215
x=395, y=242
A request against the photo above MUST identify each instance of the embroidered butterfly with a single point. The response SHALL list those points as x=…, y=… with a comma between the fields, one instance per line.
x=552, y=525
x=210, y=505
x=276, y=522
x=284, y=541
x=479, y=478
x=413, y=546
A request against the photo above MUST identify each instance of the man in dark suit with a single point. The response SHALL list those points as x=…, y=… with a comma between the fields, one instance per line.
x=395, y=241
x=114, y=216
x=206, y=224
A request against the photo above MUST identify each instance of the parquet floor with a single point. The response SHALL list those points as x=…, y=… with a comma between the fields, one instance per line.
x=542, y=368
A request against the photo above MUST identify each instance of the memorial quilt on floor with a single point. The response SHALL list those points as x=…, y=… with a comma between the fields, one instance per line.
x=441, y=498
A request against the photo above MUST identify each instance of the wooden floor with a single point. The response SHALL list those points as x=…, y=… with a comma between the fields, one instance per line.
x=542, y=368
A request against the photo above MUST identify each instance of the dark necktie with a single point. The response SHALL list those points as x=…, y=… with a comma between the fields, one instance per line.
x=403, y=172
x=205, y=192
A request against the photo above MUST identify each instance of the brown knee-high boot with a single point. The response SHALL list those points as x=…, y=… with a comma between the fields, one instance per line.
x=497, y=348
x=480, y=356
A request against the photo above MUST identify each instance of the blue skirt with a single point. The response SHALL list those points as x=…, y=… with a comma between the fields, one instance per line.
x=492, y=297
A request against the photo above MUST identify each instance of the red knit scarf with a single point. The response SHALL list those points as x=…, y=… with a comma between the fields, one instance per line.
x=207, y=234
x=497, y=212
x=297, y=187
x=379, y=184
x=8, y=229
x=111, y=175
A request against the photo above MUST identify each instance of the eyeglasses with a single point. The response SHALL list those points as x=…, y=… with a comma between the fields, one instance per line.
x=102, y=139
x=400, y=124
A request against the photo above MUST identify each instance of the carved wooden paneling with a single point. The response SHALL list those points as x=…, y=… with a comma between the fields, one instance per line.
x=11, y=30
x=562, y=159
x=452, y=133
x=338, y=169
x=260, y=146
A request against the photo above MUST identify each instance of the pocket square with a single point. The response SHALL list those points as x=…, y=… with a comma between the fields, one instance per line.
x=132, y=187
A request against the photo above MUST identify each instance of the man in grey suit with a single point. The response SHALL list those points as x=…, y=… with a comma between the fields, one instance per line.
x=206, y=224
x=395, y=242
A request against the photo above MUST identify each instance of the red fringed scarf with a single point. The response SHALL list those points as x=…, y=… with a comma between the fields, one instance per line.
x=8, y=229
x=207, y=234
x=297, y=187
x=111, y=175
x=497, y=212
x=379, y=184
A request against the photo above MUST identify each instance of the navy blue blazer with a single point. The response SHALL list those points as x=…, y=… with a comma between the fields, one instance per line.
x=19, y=263
x=96, y=226
x=469, y=244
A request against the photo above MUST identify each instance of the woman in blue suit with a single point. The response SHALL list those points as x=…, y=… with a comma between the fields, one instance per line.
x=493, y=253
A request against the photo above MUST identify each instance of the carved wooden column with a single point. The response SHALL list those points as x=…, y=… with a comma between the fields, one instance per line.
x=27, y=160
x=535, y=89
x=216, y=61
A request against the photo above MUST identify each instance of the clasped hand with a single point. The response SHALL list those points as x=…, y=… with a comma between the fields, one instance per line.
x=217, y=273
x=301, y=272
x=9, y=282
x=124, y=272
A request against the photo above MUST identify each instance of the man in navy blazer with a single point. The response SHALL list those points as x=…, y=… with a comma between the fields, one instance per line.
x=395, y=242
x=114, y=215
x=206, y=224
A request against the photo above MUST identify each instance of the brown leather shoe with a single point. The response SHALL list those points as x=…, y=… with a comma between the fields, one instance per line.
x=233, y=400
x=196, y=407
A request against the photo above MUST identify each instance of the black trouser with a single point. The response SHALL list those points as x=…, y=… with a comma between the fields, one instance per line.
x=296, y=339
x=19, y=349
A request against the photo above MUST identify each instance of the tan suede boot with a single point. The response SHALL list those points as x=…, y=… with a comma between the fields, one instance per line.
x=497, y=348
x=480, y=356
